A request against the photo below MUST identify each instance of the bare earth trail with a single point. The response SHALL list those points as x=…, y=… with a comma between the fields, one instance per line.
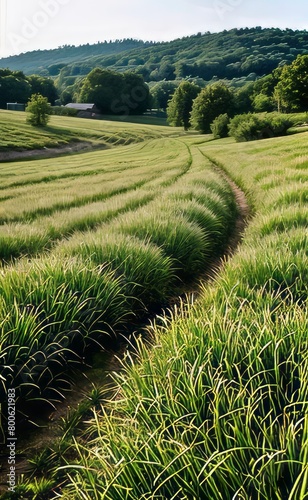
x=244, y=211
x=109, y=362
x=33, y=154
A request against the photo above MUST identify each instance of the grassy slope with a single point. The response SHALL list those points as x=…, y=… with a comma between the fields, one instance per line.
x=16, y=134
x=218, y=408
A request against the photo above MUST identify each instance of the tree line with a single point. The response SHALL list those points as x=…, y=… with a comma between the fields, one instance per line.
x=232, y=54
x=50, y=62
x=186, y=103
x=284, y=90
x=15, y=86
x=111, y=92
x=237, y=55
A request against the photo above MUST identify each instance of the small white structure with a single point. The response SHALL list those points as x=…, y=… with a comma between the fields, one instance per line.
x=84, y=109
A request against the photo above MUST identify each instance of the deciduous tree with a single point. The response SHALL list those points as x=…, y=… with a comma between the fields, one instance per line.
x=162, y=92
x=180, y=106
x=291, y=92
x=38, y=110
x=44, y=86
x=115, y=93
x=214, y=100
x=13, y=87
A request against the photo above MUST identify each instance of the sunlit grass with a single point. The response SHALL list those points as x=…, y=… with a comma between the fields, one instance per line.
x=101, y=247
x=50, y=311
x=148, y=274
x=217, y=408
x=16, y=134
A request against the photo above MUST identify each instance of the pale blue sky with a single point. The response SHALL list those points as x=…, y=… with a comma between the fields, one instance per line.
x=38, y=24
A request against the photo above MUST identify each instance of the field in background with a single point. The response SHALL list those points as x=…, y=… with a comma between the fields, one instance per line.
x=150, y=118
x=16, y=134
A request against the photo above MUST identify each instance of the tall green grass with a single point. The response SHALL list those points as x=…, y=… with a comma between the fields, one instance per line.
x=218, y=407
x=146, y=272
x=183, y=241
x=50, y=311
x=209, y=413
x=135, y=253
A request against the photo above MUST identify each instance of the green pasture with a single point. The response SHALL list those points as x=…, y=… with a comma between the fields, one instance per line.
x=216, y=407
x=90, y=242
x=17, y=135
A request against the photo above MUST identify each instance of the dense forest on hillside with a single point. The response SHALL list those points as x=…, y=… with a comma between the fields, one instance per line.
x=263, y=68
x=49, y=62
x=236, y=53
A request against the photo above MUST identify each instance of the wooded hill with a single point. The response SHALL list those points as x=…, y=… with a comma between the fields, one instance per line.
x=237, y=53
x=50, y=62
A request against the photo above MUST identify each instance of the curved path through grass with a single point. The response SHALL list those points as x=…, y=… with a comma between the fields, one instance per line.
x=169, y=187
x=218, y=407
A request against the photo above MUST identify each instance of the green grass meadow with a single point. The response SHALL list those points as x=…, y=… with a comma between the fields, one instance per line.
x=213, y=405
x=17, y=135
x=91, y=242
x=217, y=408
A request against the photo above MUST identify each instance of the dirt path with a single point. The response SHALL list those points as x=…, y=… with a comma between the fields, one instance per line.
x=74, y=147
x=242, y=220
x=109, y=362
x=244, y=213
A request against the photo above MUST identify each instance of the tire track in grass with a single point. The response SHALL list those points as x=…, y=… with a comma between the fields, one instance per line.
x=242, y=219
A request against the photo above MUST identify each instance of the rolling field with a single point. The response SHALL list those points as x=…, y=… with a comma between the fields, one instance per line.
x=16, y=134
x=90, y=244
x=217, y=408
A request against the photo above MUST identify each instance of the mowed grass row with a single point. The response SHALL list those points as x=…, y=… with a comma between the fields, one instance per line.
x=218, y=407
x=35, y=215
x=16, y=134
x=93, y=284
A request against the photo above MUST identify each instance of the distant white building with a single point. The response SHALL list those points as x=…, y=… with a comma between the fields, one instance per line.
x=85, y=109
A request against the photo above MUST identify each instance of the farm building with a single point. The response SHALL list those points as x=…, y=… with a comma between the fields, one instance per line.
x=15, y=106
x=85, y=110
